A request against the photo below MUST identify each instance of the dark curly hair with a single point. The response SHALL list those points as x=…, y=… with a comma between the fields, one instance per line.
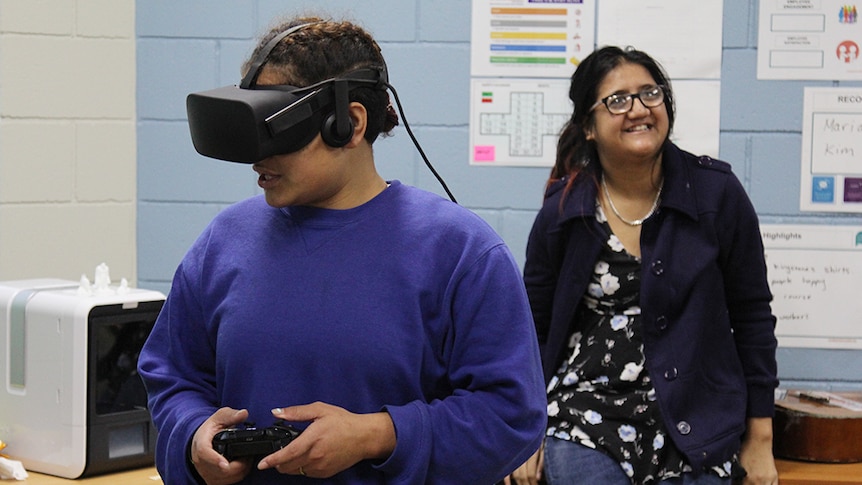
x=324, y=49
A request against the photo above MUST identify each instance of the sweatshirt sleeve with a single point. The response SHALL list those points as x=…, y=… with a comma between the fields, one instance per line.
x=496, y=415
x=181, y=391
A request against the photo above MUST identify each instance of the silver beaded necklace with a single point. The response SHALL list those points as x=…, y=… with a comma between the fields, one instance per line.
x=636, y=222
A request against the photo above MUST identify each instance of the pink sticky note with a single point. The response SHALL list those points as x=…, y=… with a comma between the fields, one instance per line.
x=483, y=153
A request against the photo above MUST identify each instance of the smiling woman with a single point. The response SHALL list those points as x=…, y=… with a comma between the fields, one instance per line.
x=647, y=281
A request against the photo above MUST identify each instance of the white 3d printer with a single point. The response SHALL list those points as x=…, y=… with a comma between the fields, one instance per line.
x=71, y=402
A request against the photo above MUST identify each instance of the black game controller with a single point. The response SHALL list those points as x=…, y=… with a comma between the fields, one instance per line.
x=255, y=442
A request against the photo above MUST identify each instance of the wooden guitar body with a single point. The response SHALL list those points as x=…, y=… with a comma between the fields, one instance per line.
x=811, y=430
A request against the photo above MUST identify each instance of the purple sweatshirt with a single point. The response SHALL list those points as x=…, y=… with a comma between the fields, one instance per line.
x=408, y=303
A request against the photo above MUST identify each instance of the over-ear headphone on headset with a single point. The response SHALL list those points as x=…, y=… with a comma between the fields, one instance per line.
x=248, y=123
x=337, y=127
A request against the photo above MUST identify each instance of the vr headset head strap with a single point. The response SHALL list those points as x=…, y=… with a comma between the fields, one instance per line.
x=257, y=64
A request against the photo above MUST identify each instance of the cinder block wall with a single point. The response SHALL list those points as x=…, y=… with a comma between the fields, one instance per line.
x=67, y=138
x=77, y=75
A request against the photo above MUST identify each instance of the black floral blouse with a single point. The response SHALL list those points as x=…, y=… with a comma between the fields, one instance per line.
x=602, y=397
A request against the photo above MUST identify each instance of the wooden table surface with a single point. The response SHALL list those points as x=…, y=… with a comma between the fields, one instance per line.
x=791, y=472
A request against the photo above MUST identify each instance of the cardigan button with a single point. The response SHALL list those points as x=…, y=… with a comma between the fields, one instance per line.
x=706, y=161
x=683, y=427
x=657, y=267
x=661, y=322
x=671, y=373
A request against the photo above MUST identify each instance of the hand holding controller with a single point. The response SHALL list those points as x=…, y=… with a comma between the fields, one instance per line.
x=236, y=443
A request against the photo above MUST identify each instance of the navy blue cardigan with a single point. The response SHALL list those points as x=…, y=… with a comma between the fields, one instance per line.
x=708, y=329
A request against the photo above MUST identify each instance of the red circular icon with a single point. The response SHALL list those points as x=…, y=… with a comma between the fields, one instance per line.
x=847, y=51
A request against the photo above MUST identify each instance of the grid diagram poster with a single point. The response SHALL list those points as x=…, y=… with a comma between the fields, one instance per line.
x=517, y=121
x=831, y=176
x=809, y=39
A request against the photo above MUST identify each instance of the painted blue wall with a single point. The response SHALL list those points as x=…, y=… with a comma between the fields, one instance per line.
x=193, y=45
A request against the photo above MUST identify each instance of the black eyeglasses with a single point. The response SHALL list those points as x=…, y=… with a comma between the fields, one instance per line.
x=618, y=104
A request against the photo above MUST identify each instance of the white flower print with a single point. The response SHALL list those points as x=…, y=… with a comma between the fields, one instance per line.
x=615, y=244
x=595, y=290
x=562, y=435
x=575, y=339
x=592, y=417
x=610, y=284
x=582, y=437
x=627, y=433
x=658, y=441
x=553, y=408
x=600, y=213
x=627, y=467
x=586, y=386
x=619, y=322
x=631, y=372
x=601, y=380
x=606, y=360
x=571, y=378
x=602, y=267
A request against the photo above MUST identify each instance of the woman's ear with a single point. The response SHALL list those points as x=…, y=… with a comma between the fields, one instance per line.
x=359, y=117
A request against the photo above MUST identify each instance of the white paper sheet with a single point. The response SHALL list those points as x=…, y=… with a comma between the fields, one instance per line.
x=809, y=39
x=684, y=36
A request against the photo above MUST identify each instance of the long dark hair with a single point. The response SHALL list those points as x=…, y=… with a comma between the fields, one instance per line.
x=574, y=152
x=325, y=49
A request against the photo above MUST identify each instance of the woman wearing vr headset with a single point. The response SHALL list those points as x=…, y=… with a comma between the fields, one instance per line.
x=389, y=325
x=646, y=274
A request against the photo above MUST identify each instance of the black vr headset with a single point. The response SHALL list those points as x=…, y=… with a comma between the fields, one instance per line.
x=248, y=123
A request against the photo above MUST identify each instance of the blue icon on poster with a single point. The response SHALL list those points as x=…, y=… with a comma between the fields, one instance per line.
x=823, y=189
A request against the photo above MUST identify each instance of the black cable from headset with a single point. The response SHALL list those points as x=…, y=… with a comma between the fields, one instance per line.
x=416, y=143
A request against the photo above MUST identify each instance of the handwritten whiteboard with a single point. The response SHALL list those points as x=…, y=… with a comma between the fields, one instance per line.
x=815, y=274
x=831, y=176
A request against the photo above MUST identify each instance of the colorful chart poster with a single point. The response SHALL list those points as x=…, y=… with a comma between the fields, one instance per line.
x=831, y=178
x=531, y=38
x=809, y=40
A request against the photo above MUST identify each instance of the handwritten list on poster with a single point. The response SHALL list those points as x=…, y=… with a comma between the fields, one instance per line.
x=815, y=273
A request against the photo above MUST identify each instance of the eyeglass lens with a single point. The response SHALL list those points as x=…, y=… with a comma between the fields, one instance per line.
x=622, y=103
